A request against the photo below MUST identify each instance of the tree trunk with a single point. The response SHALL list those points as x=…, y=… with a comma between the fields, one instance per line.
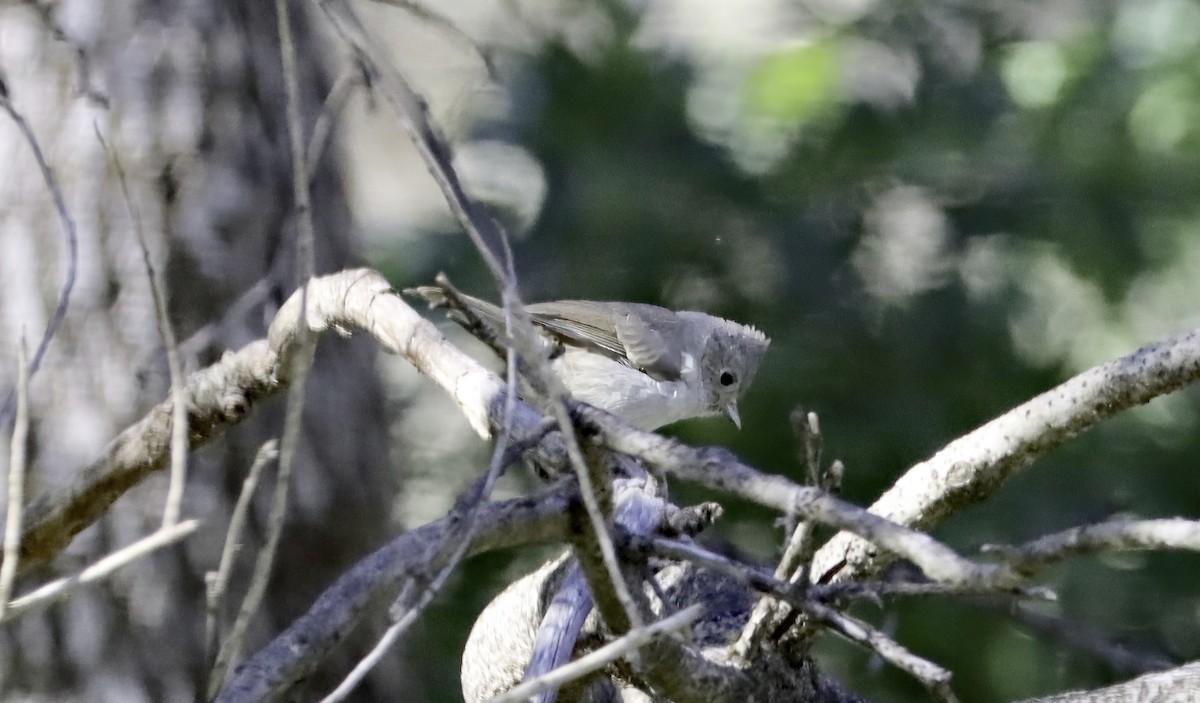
x=189, y=96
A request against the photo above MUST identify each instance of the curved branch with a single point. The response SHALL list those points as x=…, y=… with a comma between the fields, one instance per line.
x=972, y=467
x=223, y=395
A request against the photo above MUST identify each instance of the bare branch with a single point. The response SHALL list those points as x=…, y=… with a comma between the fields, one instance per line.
x=972, y=467
x=719, y=469
x=305, y=345
x=798, y=553
x=60, y=205
x=878, y=590
x=218, y=581
x=218, y=396
x=350, y=78
x=174, y=368
x=1114, y=536
x=16, y=480
x=297, y=651
x=61, y=588
x=933, y=677
x=224, y=393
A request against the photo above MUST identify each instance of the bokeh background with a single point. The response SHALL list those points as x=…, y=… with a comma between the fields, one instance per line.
x=936, y=210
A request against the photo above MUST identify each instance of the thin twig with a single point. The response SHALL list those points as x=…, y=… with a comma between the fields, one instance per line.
x=16, y=480
x=64, y=298
x=378, y=652
x=305, y=345
x=468, y=508
x=60, y=588
x=306, y=237
x=296, y=652
x=405, y=616
x=1113, y=536
x=808, y=428
x=179, y=441
x=877, y=590
x=349, y=79
x=719, y=469
x=594, y=485
x=800, y=545
x=411, y=110
x=217, y=582
x=594, y=661
x=933, y=677
x=492, y=244
x=794, y=563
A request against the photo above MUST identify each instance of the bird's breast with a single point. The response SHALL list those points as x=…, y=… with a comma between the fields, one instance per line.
x=627, y=392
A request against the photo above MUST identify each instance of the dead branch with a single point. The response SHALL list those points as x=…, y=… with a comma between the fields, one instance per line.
x=298, y=650
x=972, y=467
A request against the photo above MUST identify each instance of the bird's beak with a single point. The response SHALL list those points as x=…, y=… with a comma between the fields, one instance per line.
x=731, y=412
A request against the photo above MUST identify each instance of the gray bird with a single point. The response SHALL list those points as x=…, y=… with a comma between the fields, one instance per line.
x=646, y=364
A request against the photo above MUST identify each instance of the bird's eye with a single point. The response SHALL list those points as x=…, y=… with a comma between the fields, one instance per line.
x=727, y=378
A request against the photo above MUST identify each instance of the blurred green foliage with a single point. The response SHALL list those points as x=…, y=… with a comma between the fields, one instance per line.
x=795, y=83
x=937, y=210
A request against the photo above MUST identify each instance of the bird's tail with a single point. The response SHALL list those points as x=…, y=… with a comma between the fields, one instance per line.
x=481, y=318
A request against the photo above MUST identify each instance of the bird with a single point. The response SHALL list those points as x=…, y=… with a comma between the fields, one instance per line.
x=649, y=365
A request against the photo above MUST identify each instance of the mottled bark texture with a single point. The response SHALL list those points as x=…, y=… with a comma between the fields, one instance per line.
x=195, y=112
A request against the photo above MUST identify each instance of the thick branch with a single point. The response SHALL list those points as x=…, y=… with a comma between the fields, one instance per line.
x=297, y=651
x=223, y=395
x=217, y=397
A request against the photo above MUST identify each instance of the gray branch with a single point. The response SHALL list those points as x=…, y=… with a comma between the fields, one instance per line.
x=972, y=467
x=299, y=649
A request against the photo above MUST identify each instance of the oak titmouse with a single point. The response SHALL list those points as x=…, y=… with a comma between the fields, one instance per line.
x=648, y=365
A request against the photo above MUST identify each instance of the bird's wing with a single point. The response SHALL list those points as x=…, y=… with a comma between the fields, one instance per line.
x=628, y=331
x=648, y=348
x=581, y=323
